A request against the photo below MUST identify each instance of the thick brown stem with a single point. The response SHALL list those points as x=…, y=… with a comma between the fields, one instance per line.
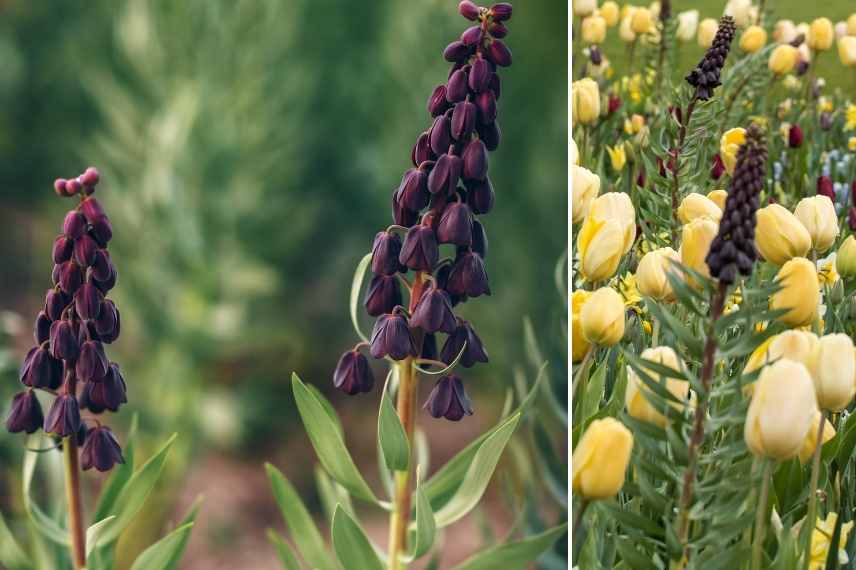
x=75, y=511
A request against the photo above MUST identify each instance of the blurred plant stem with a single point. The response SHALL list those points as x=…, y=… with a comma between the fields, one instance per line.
x=761, y=515
x=75, y=512
x=811, y=512
x=682, y=137
x=577, y=529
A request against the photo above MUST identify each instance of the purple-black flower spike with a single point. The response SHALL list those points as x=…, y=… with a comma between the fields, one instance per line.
x=63, y=419
x=101, y=450
x=385, y=251
x=419, y=251
x=468, y=276
x=391, y=337
x=353, y=375
x=474, y=352
x=449, y=400
x=26, y=413
x=433, y=312
x=383, y=295
x=456, y=225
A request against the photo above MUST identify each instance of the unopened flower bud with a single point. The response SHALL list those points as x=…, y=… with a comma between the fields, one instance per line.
x=437, y=103
x=445, y=174
x=498, y=53
x=602, y=317
x=474, y=351
x=59, y=186
x=471, y=36
x=84, y=250
x=832, y=367
x=800, y=292
x=55, y=303
x=101, y=450
x=88, y=301
x=479, y=77
x=601, y=458
x=107, y=325
x=391, y=337
x=464, y=119
x=825, y=187
x=102, y=230
x=475, y=160
x=456, y=225
x=456, y=87
x=795, y=136
x=41, y=331
x=92, y=210
x=422, y=149
x=434, y=313
x=62, y=249
x=25, y=414
x=480, y=196
x=490, y=135
x=441, y=134
x=63, y=340
x=845, y=258
x=383, y=295
x=456, y=51
x=449, y=400
x=497, y=30
x=90, y=177
x=468, y=10
x=385, y=251
x=72, y=186
x=486, y=103
x=63, y=419
x=69, y=277
x=468, y=276
x=74, y=224
x=501, y=11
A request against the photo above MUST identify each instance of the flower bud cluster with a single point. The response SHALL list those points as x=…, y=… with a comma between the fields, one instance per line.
x=435, y=207
x=77, y=321
x=705, y=76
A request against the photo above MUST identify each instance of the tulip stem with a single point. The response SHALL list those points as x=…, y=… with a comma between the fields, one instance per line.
x=761, y=516
x=578, y=531
x=75, y=512
x=811, y=512
x=583, y=368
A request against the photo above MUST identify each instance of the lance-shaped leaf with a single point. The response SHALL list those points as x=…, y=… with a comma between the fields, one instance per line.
x=11, y=554
x=425, y=528
x=120, y=475
x=161, y=554
x=351, y=544
x=44, y=524
x=514, y=555
x=356, y=285
x=283, y=551
x=391, y=436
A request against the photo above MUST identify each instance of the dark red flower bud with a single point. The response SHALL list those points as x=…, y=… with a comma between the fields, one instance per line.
x=108, y=394
x=92, y=210
x=851, y=218
x=640, y=178
x=499, y=53
x=479, y=77
x=84, y=251
x=456, y=225
x=474, y=352
x=353, y=374
x=471, y=36
x=391, y=337
x=383, y=295
x=486, y=103
x=479, y=241
x=445, y=174
x=108, y=323
x=437, y=103
x=468, y=276
x=26, y=413
x=853, y=192
x=42, y=329
x=90, y=177
x=59, y=186
x=419, y=251
x=456, y=88
x=795, y=136
x=72, y=187
x=88, y=301
x=101, y=450
x=456, y=51
x=468, y=10
x=480, y=195
x=92, y=364
x=69, y=277
x=433, y=312
x=102, y=230
x=413, y=190
x=64, y=416
x=74, y=224
x=463, y=120
x=613, y=103
x=449, y=400
x=41, y=370
x=718, y=167
x=401, y=216
x=475, y=160
x=490, y=135
x=55, y=303
x=497, y=30
x=501, y=11
x=63, y=340
x=825, y=188
x=385, y=250
x=441, y=134
x=62, y=248
x=422, y=150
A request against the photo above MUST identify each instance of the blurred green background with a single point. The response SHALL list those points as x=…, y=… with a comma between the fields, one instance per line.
x=248, y=152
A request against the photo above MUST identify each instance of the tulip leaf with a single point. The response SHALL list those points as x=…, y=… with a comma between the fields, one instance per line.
x=391, y=436
x=594, y=391
x=11, y=554
x=161, y=554
x=301, y=527
x=478, y=474
x=352, y=546
x=331, y=493
x=283, y=551
x=425, y=528
x=46, y=526
x=514, y=555
x=93, y=533
x=120, y=475
x=329, y=443
x=356, y=286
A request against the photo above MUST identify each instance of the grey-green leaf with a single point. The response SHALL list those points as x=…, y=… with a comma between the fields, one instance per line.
x=391, y=436
x=120, y=475
x=514, y=555
x=160, y=555
x=283, y=551
x=356, y=285
x=351, y=544
x=426, y=528
x=11, y=554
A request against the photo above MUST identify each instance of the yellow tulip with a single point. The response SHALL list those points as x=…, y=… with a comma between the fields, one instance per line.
x=617, y=156
x=625, y=28
x=800, y=292
x=818, y=216
x=585, y=186
x=575, y=152
x=810, y=443
x=851, y=25
x=641, y=21
x=706, y=32
x=821, y=540
x=600, y=246
x=603, y=317
x=847, y=50
x=753, y=39
x=821, y=34
x=634, y=124
x=579, y=344
x=741, y=10
x=600, y=459
x=695, y=206
x=729, y=144
x=781, y=412
x=784, y=32
x=851, y=144
x=585, y=99
x=594, y=29
x=637, y=396
x=687, y=25
x=584, y=8
x=696, y=238
x=609, y=11
x=845, y=259
x=783, y=59
x=617, y=206
x=718, y=197
x=832, y=367
x=780, y=235
x=651, y=274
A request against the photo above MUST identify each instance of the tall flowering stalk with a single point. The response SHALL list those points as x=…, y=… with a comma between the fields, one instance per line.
x=69, y=361
x=436, y=205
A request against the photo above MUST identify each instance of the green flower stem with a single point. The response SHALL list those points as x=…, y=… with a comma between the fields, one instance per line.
x=811, y=513
x=577, y=527
x=75, y=512
x=761, y=515
x=582, y=370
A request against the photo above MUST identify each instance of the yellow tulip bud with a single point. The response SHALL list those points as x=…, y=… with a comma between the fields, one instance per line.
x=638, y=395
x=718, y=197
x=625, y=28
x=741, y=11
x=617, y=206
x=617, y=156
x=784, y=32
x=575, y=152
x=651, y=274
x=851, y=25
x=600, y=246
x=641, y=21
x=782, y=409
x=793, y=345
x=695, y=206
x=818, y=216
x=579, y=344
x=696, y=238
x=800, y=292
x=585, y=186
x=687, y=25
x=609, y=11
x=729, y=144
x=603, y=317
x=779, y=235
x=706, y=32
x=832, y=367
x=821, y=34
x=753, y=39
x=847, y=51
x=845, y=259
x=585, y=99
x=594, y=29
x=600, y=459
x=810, y=442
x=783, y=59
x=584, y=8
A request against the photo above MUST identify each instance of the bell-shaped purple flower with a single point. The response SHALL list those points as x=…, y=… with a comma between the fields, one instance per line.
x=383, y=295
x=420, y=251
x=486, y=103
x=353, y=374
x=55, y=303
x=41, y=369
x=102, y=267
x=445, y=174
x=456, y=51
x=107, y=325
x=92, y=364
x=101, y=450
x=74, y=225
x=479, y=244
x=468, y=276
x=108, y=394
x=401, y=215
x=479, y=77
x=449, y=400
x=62, y=249
x=26, y=413
x=490, y=135
x=391, y=337
x=433, y=312
x=472, y=36
x=498, y=53
x=69, y=277
x=437, y=103
x=42, y=328
x=413, y=190
x=456, y=87
x=88, y=301
x=385, y=251
x=104, y=285
x=441, y=134
x=64, y=416
x=474, y=351
x=480, y=196
x=102, y=230
x=475, y=160
x=456, y=225
x=422, y=149
x=463, y=120
x=85, y=249
x=63, y=340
